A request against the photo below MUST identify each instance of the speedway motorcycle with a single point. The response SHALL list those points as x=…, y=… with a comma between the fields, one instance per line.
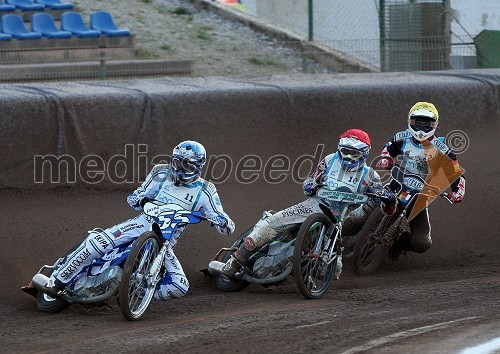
x=130, y=272
x=312, y=251
x=381, y=231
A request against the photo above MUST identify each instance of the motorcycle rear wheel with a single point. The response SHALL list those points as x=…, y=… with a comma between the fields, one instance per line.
x=232, y=285
x=47, y=303
x=134, y=294
x=369, y=252
x=311, y=276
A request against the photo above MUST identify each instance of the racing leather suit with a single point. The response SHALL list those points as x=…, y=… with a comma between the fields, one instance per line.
x=412, y=156
x=159, y=185
x=330, y=172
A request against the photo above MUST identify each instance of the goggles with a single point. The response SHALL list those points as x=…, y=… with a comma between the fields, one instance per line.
x=352, y=154
x=425, y=125
x=184, y=164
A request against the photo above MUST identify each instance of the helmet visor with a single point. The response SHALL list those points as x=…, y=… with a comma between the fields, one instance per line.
x=423, y=124
x=184, y=165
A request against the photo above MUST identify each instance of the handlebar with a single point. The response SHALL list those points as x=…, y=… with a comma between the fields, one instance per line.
x=148, y=200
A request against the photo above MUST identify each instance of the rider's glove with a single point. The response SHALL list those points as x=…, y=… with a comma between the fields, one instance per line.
x=133, y=200
x=388, y=209
x=144, y=201
x=219, y=221
x=387, y=199
x=385, y=163
x=310, y=186
x=458, y=192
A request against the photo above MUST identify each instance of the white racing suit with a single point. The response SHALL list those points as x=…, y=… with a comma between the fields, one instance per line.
x=200, y=195
x=329, y=171
x=413, y=157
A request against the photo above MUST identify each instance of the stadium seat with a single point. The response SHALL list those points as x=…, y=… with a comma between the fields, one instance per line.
x=55, y=4
x=26, y=5
x=102, y=21
x=5, y=37
x=44, y=23
x=14, y=25
x=73, y=22
x=6, y=7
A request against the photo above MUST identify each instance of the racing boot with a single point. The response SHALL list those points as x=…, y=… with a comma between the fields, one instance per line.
x=236, y=262
x=53, y=287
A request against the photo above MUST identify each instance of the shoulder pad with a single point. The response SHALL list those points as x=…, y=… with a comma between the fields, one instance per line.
x=402, y=135
x=439, y=143
x=209, y=186
x=328, y=158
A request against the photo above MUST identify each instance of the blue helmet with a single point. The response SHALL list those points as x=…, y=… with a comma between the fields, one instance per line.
x=188, y=159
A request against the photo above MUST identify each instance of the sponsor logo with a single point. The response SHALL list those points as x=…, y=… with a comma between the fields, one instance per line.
x=249, y=244
x=297, y=211
x=344, y=197
x=404, y=196
x=171, y=259
x=75, y=263
x=129, y=227
x=413, y=183
x=102, y=241
x=116, y=233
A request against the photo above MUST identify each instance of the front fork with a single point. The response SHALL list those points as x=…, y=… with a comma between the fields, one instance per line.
x=332, y=236
x=153, y=275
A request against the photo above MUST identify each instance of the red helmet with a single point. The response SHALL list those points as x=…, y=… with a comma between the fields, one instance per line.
x=354, y=147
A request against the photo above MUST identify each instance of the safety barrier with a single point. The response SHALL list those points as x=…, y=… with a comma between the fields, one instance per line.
x=78, y=133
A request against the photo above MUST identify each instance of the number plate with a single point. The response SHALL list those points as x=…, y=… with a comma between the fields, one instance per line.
x=344, y=197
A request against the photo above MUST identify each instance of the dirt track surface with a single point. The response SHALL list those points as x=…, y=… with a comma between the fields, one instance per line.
x=445, y=300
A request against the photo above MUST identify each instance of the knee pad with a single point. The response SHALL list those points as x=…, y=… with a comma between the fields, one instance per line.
x=100, y=241
x=172, y=286
x=262, y=232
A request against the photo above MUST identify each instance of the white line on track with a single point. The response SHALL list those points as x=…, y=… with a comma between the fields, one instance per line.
x=313, y=324
x=405, y=334
x=493, y=346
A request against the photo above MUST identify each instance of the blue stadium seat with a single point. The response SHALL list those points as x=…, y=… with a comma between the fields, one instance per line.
x=5, y=37
x=55, y=4
x=14, y=25
x=6, y=7
x=26, y=5
x=102, y=21
x=44, y=23
x=73, y=22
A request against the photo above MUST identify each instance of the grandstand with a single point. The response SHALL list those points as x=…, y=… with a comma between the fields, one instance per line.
x=50, y=39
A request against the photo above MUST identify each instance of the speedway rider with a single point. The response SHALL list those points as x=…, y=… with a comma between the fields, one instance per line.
x=178, y=183
x=415, y=151
x=344, y=168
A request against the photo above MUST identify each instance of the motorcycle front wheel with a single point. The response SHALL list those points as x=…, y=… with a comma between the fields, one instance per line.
x=312, y=274
x=369, y=250
x=135, y=295
x=232, y=285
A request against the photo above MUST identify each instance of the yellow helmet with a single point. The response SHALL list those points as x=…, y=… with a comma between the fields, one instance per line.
x=423, y=120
